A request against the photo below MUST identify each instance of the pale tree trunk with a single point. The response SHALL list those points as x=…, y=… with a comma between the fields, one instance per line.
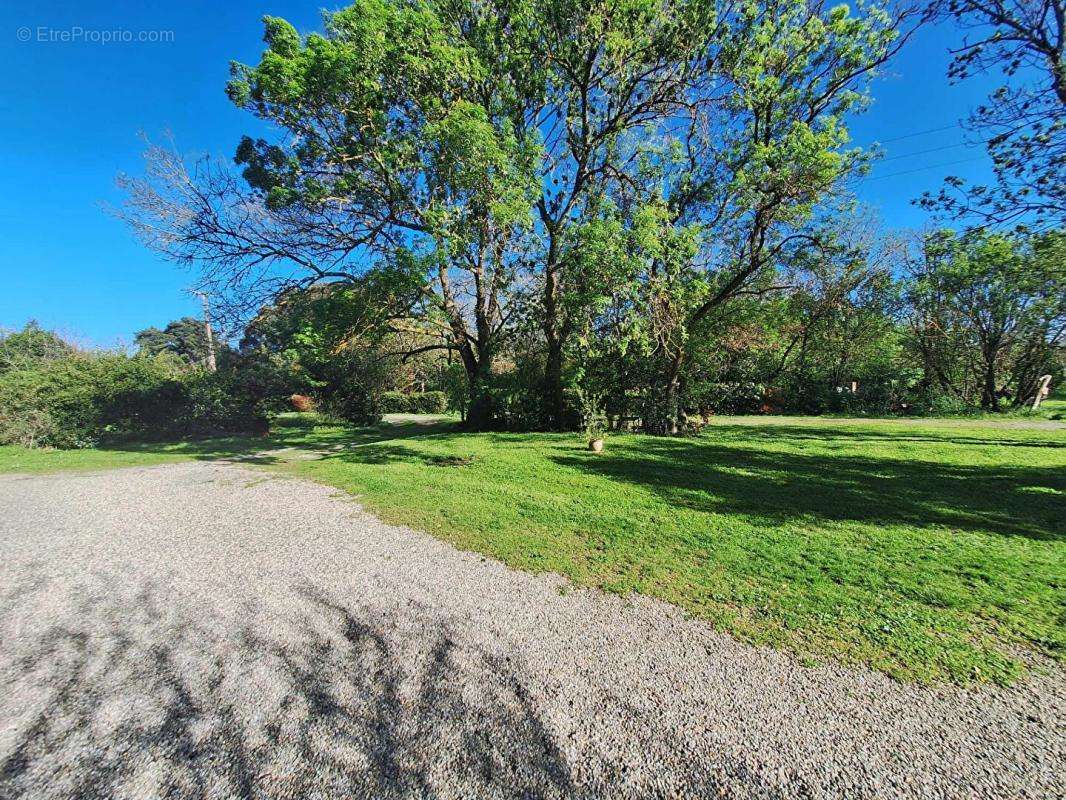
x=209, y=334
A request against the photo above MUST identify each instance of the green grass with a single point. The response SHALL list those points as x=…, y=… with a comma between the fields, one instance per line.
x=931, y=550
x=19, y=459
x=1054, y=407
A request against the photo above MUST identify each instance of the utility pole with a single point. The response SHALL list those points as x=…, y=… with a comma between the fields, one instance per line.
x=212, y=365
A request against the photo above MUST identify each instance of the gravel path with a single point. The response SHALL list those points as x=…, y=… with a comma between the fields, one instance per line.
x=202, y=630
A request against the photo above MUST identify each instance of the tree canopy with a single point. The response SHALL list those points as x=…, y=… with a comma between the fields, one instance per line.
x=570, y=196
x=184, y=338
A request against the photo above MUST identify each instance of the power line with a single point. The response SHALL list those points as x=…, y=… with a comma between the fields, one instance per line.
x=919, y=133
x=923, y=169
x=930, y=150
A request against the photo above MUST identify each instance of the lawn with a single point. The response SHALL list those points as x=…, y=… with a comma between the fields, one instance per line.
x=931, y=550
x=18, y=459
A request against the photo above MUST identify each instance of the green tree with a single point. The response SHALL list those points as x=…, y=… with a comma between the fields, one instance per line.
x=400, y=168
x=31, y=346
x=184, y=338
x=737, y=199
x=327, y=334
x=989, y=313
x=613, y=72
x=460, y=159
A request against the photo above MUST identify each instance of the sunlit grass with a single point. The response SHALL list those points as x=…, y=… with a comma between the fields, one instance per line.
x=20, y=459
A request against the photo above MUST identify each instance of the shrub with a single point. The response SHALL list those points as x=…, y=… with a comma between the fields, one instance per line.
x=31, y=346
x=740, y=397
x=78, y=400
x=356, y=407
x=428, y=403
x=414, y=403
x=347, y=386
x=23, y=420
x=395, y=403
x=73, y=401
x=933, y=403
x=456, y=389
x=212, y=404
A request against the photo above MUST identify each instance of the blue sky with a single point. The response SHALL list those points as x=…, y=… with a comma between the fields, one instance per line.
x=71, y=112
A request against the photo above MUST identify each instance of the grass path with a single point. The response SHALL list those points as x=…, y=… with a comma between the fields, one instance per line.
x=929, y=550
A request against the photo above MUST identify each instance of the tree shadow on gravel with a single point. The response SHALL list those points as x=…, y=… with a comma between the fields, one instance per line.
x=337, y=713
x=137, y=700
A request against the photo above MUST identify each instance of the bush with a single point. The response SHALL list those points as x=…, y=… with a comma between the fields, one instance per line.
x=414, y=403
x=933, y=403
x=302, y=403
x=73, y=401
x=723, y=398
x=23, y=420
x=212, y=404
x=347, y=386
x=31, y=346
x=395, y=403
x=456, y=389
x=429, y=403
x=356, y=407
x=78, y=400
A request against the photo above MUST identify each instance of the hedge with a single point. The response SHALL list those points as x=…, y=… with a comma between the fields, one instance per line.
x=79, y=400
x=414, y=403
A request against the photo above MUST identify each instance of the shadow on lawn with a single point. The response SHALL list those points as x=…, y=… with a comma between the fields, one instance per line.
x=727, y=471
x=737, y=475
x=855, y=433
x=327, y=700
x=776, y=486
x=292, y=433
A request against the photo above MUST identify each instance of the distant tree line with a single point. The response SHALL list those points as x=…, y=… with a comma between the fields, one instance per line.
x=967, y=322
x=964, y=323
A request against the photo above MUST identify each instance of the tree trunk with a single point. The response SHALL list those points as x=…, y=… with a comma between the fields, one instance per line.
x=554, y=401
x=989, y=400
x=481, y=411
x=989, y=396
x=673, y=412
x=663, y=412
x=480, y=414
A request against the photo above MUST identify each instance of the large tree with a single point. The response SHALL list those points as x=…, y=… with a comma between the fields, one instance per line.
x=472, y=165
x=613, y=71
x=185, y=338
x=734, y=199
x=398, y=171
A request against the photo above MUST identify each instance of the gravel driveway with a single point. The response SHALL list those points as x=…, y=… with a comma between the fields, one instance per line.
x=203, y=630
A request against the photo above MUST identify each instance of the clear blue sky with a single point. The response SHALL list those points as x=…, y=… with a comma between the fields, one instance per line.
x=71, y=111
